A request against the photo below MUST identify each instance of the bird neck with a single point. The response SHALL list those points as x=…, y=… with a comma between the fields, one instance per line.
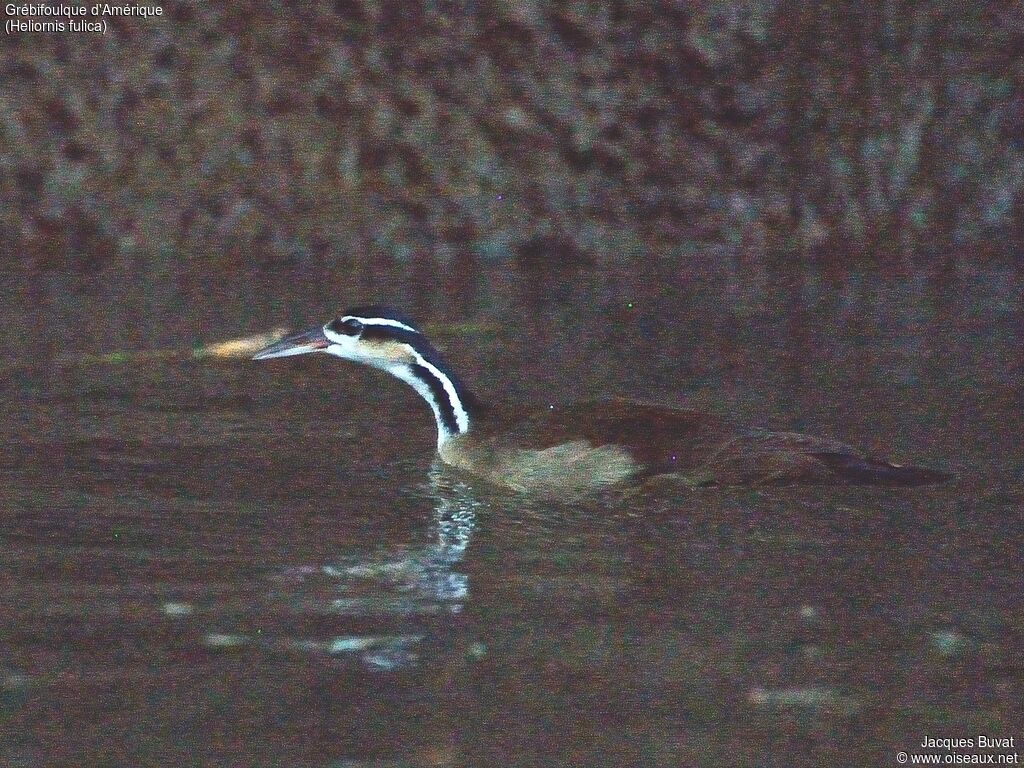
x=452, y=403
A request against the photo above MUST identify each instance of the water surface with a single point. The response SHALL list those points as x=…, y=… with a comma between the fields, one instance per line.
x=230, y=564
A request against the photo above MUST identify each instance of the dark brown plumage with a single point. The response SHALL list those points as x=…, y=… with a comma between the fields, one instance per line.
x=700, y=446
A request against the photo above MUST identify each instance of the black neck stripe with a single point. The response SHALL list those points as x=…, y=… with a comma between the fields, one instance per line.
x=425, y=349
x=445, y=408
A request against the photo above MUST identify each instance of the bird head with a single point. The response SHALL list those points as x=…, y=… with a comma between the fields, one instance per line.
x=374, y=336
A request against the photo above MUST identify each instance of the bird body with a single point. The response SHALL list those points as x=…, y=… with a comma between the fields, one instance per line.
x=589, y=446
x=571, y=448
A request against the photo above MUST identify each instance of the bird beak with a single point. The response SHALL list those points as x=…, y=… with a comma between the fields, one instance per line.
x=299, y=344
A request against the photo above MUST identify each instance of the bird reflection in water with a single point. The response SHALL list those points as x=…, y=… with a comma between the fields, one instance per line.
x=406, y=581
x=426, y=577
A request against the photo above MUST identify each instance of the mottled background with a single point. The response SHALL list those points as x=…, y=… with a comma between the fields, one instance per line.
x=796, y=214
x=339, y=139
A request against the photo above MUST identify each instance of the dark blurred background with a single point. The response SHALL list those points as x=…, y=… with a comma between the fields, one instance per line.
x=337, y=138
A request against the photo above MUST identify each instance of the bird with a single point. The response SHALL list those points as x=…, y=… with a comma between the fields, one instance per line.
x=585, y=447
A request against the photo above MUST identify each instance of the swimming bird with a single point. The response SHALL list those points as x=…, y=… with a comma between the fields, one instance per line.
x=588, y=446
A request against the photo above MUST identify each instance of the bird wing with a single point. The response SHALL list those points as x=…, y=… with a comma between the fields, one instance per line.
x=659, y=437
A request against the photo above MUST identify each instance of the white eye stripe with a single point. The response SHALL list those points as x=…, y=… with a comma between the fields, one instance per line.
x=380, y=321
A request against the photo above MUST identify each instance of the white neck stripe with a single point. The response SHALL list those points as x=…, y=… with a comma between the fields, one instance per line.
x=461, y=414
x=380, y=321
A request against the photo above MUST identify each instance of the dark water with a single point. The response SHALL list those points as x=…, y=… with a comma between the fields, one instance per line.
x=231, y=564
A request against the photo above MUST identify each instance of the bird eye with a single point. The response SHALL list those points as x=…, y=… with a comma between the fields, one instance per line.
x=349, y=327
